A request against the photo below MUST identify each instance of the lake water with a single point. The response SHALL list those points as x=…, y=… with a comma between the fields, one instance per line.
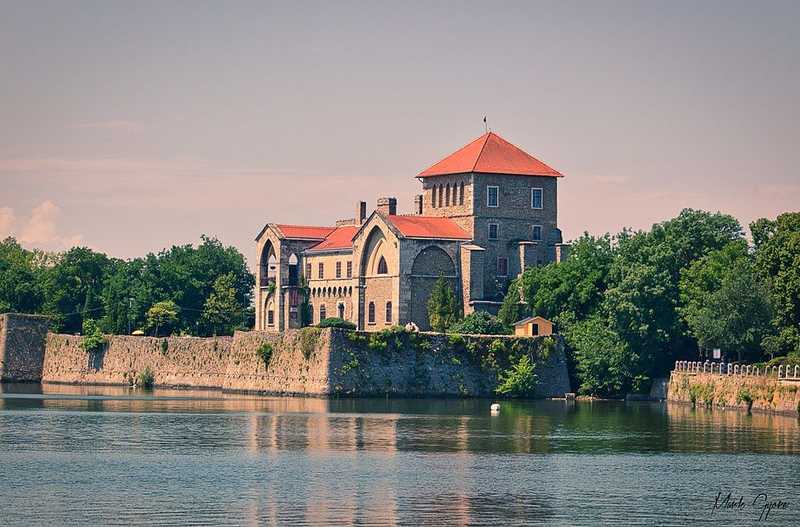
x=114, y=456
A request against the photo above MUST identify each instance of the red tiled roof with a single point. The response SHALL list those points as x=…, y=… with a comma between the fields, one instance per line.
x=490, y=154
x=428, y=227
x=304, y=232
x=340, y=238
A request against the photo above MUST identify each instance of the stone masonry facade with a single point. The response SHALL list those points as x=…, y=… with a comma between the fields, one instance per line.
x=486, y=213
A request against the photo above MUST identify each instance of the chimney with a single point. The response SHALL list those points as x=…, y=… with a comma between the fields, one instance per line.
x=361, y=212
x=387, y=206
x=418, y=204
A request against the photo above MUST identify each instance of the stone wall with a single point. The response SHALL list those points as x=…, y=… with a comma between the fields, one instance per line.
x=310, y=361
x=22, y=347
x=761, y=394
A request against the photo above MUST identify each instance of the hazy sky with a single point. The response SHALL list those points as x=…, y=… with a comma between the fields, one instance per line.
x=131, y=126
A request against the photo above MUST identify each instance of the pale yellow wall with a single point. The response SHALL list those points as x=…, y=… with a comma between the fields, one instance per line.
x=526, y=329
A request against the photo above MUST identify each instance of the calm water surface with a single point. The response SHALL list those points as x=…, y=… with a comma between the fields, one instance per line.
x=113, y=456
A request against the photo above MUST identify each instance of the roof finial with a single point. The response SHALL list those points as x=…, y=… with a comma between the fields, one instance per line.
x=485, y=125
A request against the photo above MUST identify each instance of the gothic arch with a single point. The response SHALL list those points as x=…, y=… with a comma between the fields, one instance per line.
x=433, y=261
x=268, y=264
x=374, y=249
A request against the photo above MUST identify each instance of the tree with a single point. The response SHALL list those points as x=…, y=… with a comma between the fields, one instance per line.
x=73, y=286
x=443, y=309
x=777, y=249
x=575, y=285
x=520, y=380
x=724, y=302
x=643, y=295
x=162, y=314
x=479, y=323
x=222, y=313
x=605, y=365
x=20, y=279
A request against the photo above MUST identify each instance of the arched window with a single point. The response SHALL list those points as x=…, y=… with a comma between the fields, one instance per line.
x=447, y=195
x=441, y=196
x=294, y=271
x=461, y=194
x=388, y=312
x=433, y=196
x=371, y=314
x=322, y=314
x=382, y=267
x=341, y=311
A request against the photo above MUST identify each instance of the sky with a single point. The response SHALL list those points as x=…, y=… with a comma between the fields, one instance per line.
x=128, y=127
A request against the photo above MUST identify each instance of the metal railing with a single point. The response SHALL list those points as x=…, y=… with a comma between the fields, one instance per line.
x=721, y=368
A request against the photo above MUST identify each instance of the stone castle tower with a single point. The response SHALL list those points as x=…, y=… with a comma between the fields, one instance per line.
x=487, y=212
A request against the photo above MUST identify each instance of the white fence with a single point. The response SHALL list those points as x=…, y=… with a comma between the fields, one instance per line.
x=721, y=368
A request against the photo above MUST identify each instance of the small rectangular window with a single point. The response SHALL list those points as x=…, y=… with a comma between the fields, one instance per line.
x=293, y=313
x=349, y=269
x=270, y=318
x=321, y=271
x=388, y=312
x=338, y=269
x=536, y=198
x=502, y=266
x=535, y=329
x=494, y=229
x=537, y=233
x=492, y=196
x=308, y=270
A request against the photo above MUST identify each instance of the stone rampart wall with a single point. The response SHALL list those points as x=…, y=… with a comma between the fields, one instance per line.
x=308, y=361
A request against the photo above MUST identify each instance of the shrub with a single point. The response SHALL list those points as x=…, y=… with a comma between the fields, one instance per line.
x=744, y=396
x=308, y=341
x=334, y=322
x=520, y=380
x=443, y=308
x=265, y=353
x=165, y=346
x=93, y=339
x=146, y=378
x=479, y=323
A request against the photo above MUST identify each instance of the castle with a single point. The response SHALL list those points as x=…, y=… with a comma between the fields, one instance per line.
x=486, y=213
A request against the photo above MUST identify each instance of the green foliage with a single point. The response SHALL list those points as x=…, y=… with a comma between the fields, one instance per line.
x=81, y=283
x=724, y=302
x=93, y=339
x=605, y=364
x=777, y=244
x=20, y=278
x=744, y=396
x=162, y=315
x=146, y=378
x=164, y=346
x=479, y=323
x=265, y=353
x=443, y=308
x=520, y=380
x=308, y=339
x=547, y=346
x=222, y=313
x=333, y=322
x=701, y=393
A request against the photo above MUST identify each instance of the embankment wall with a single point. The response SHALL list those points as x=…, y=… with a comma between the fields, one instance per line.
x=759, y=393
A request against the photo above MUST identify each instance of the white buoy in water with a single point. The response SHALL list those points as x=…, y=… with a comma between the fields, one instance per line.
x=495, y=408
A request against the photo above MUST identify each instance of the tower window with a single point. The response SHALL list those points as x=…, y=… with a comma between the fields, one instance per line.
x=447, y=195
x=322, y=313
x=341, y=311
x=502, y=266
x=536, y=198
x=433, y=197
x=494, y=229
x=371, y=313
x=492, y=196
x=349, y=269
x=270, y=318
x=441, y=195
x=321, y=271
x=338, y=269
x=537, y=233
x=461, y=194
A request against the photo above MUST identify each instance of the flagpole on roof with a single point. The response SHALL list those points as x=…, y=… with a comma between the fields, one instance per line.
x=485, y=125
